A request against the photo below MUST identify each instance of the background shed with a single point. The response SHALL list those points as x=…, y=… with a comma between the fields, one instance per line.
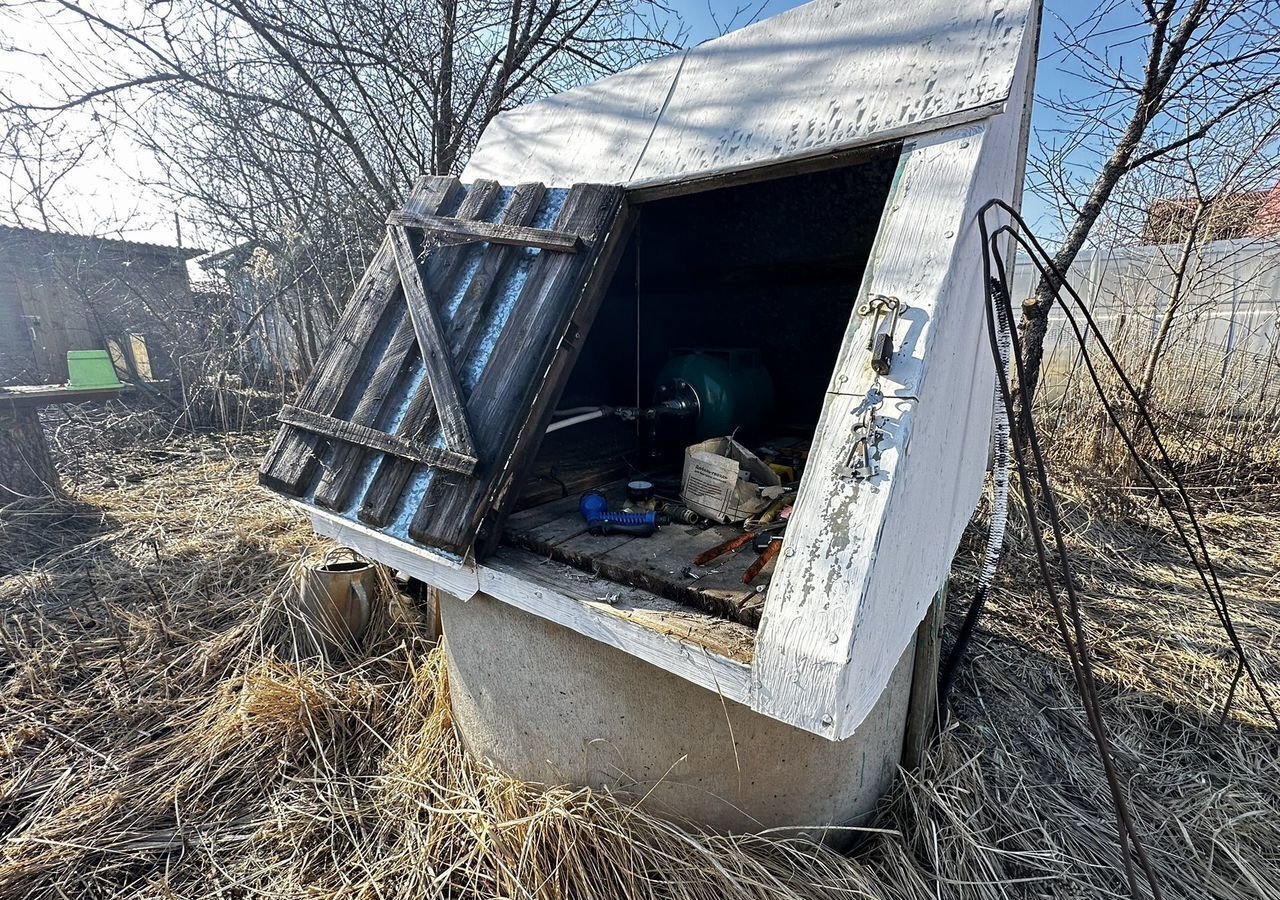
x=61, y=292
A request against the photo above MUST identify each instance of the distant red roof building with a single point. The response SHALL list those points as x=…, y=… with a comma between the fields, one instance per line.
x=1266, y=221
x=1242, y=214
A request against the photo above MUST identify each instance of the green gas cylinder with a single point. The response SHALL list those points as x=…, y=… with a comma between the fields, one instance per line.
x=731, y=388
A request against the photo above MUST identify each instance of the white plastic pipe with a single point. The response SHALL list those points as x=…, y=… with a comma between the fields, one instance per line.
x=598, y=413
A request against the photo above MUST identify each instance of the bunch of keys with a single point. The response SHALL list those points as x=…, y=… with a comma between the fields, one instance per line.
x=881, y=343
x=863, y=461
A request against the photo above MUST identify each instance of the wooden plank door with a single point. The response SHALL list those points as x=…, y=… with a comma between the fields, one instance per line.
x=445, y=368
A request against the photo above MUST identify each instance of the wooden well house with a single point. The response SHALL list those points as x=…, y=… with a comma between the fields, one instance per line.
x=761, y=200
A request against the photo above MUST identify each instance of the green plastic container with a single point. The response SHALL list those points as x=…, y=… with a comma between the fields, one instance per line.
x=89, y=369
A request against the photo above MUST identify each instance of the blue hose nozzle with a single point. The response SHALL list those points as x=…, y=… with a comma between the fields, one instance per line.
x=595, y=510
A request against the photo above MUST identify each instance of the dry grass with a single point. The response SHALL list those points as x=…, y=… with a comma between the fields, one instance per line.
x=158, y=738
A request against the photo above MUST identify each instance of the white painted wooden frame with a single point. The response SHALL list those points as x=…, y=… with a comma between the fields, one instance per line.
x=861, y=561
x=595, y=619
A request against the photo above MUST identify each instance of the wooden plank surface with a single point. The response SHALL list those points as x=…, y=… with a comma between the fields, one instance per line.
x=661, y=563
x=418, y=420
x=519, y=372
x=477, y=302
x=31, y=396
x=553, y=522
x=923, y=717
x=459, y=579
x=945, y=464
x=875, y=552
x=463, y=330
x=489, y=232
x=609, y=611
x=589, y=134
x=820, y=78
x=818, y=598
x=577, y=459
x=290, y=462
x=833, y=74
x=706, y=650
x=528, y=440
x=347, y=462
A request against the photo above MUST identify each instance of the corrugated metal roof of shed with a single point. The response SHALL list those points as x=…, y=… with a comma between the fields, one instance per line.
x=19, y=232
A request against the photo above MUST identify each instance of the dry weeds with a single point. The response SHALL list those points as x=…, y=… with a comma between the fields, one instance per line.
x=158, y=738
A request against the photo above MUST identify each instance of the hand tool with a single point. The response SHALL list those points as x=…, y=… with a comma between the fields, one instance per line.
x=732, y=544
x=720, y=550
x=755, y=568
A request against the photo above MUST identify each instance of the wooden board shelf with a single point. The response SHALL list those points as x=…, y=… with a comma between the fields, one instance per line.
x=661, y=563
x=31, y=396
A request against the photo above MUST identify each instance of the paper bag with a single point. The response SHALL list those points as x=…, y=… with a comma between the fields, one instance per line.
x=713, y=485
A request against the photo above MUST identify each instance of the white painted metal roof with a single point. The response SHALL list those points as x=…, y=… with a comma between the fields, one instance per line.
x=826, y=76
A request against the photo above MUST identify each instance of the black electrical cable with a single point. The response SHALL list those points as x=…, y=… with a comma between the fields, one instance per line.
x=1074, y=634
x=999, y=316
x=1204, y=568
x=999, y=513
x=1203, y=561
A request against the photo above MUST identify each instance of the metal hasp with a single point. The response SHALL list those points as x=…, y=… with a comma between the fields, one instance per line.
x=884, y=310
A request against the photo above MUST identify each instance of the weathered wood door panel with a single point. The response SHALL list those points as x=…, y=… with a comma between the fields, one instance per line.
x=503, y=400
x=291, y=461
x=447, y=363
x=820, y=608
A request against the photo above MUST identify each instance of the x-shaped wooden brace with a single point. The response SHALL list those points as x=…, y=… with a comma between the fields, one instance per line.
x=459, y=452
x=437, y=358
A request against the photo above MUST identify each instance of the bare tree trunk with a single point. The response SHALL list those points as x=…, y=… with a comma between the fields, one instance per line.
x=1035, y=311
x=443, y=146
x=1171, y=309
x=1167, y=52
